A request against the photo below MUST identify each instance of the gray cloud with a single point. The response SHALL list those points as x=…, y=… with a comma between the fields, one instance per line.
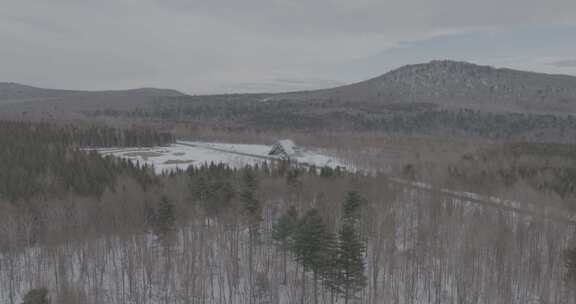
x=319, y=83
x=383, y=16
x=222, y=45
x=566, y=63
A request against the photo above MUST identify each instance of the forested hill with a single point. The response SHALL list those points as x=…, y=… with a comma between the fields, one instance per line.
x=440, y=98
x=444, y=83
x=16, y=97
x=458, y=85
x=249, y=112
x=10, y=91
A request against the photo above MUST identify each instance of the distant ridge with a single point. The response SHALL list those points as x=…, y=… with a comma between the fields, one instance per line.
x=457, y=84
x=441, y=83
x=12, y=90
x=16, y=91
x=19, y=97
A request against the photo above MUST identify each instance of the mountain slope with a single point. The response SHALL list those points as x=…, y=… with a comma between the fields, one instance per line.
x=447, y=84
x=458, y=84
x=13, y=92
x=17, y=97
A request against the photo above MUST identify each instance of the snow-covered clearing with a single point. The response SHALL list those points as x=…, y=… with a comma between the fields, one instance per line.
x=183, y=154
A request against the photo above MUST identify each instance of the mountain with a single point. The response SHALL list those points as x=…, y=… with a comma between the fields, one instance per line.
x=444, y=84
x=18, y=97
x=457, y=84
x=439, y=98
x=13, y=92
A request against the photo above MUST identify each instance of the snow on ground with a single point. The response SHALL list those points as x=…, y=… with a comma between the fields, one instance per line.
x=189, y=153
x=183, y=154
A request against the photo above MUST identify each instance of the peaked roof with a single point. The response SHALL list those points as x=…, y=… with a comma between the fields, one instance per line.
x=288, y=146
x=285, y=147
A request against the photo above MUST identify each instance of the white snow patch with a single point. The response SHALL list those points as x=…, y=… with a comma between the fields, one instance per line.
x=183, y=154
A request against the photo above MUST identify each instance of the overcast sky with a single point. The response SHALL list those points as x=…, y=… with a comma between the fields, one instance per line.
x=222, y=46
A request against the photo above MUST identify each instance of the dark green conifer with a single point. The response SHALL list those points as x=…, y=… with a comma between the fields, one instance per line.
x=313, y=246
x=570, y=264
x=165, y=220
x=348, y=277
x=283, y=233
x=36, y=296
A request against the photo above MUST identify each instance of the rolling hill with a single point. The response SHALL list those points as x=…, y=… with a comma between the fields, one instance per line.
x=447, y=84
x=14, y=93
x=18, y=97
x=439, y=98
x=457, y=84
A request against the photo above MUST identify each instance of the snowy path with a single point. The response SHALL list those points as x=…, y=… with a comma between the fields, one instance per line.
x=554, y=214
x=215, y=148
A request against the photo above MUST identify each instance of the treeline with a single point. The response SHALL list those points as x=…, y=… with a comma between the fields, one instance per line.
x=419, y=119
x=111, y=137
x=43, y=159
x=82, y=136
x=467, y=122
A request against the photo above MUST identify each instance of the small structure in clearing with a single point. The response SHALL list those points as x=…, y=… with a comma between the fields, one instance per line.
x=285, y=149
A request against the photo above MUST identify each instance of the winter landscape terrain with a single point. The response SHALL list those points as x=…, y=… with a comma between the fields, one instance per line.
x=442, y=182
x=287, y=152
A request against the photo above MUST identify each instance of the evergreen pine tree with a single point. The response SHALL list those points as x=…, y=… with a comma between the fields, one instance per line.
x=250, y=204
x=165, y=221
x=253, y=211
x=313, y=245
x=570, y=264
x=351, y=208
x=36, y=296
x=283, y=232
x=348, y=278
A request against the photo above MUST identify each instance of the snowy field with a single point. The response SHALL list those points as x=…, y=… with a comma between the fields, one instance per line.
x=183, y=154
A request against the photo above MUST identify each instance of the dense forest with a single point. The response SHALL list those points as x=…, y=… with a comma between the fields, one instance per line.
x=275, y=233
x=43, y=159
x=546, y=168
x=251, y=112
